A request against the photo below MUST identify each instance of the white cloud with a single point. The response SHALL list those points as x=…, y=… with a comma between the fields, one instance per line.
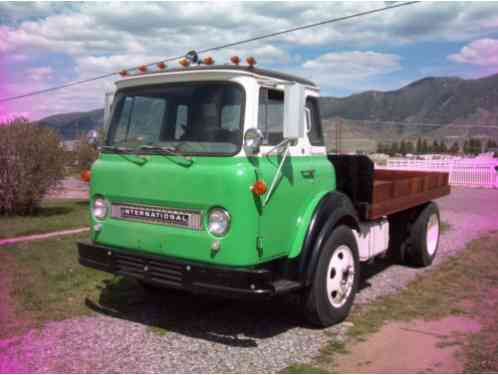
x=339, y=68
x=482, y=52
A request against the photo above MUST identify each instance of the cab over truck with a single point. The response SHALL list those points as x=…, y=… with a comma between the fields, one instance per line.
x=216, y=179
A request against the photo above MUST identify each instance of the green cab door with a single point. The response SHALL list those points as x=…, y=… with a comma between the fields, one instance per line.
x=292, y=173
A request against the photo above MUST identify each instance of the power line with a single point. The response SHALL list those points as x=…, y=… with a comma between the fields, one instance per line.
x=212, y=49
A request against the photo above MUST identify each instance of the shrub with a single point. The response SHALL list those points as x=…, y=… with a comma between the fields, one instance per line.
x=85, y=154
x=32, y=162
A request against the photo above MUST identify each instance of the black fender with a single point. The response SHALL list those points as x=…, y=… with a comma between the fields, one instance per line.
x=333, y=209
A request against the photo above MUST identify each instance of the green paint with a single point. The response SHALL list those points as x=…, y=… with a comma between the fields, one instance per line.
x=209, y=182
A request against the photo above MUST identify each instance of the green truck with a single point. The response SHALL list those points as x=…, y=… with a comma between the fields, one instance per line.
x=216, y=179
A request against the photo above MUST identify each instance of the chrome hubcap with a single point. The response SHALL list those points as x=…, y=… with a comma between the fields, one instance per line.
x=340, y=276
x=432, y=234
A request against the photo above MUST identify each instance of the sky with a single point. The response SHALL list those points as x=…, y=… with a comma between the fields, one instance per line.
x=46, y=44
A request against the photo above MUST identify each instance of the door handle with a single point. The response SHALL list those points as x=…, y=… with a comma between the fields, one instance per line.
x=308, y=173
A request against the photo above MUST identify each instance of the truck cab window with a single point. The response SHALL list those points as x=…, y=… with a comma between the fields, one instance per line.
x=181, y=121
x=315, y=134
x=271, y=115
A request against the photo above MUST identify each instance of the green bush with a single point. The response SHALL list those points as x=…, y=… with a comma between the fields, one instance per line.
x=32, y=162
x=85, y=154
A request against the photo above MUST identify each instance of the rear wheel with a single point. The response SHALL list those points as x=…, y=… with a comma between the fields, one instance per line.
x=424, y=237
x=332, y=293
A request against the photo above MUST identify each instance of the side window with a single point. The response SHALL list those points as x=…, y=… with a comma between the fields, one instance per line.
x=121, y=128
x=315, y=130
x=271, y=115
x=181, y=121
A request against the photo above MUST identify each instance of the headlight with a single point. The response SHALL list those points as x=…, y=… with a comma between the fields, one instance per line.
x=99, y=208
x=218, y=221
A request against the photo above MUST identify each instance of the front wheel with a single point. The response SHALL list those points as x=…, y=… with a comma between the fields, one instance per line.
x=331, y=295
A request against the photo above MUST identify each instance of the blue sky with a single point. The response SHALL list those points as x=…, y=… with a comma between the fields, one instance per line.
x=45, y=44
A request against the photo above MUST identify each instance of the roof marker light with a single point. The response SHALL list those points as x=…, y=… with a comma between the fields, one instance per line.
x=184, y=62
x=142, y=68
x=161, y=65
x=208, y=61
x=251, y=61
x=123, y=73
x=235, y=60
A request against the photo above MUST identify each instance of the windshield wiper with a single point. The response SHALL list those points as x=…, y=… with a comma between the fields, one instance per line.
x=115, y=148
x=165, y=150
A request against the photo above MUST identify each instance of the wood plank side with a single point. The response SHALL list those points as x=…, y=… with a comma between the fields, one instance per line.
x=390, y=206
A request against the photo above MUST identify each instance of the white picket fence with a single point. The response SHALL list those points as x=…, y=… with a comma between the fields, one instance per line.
x=472, y=172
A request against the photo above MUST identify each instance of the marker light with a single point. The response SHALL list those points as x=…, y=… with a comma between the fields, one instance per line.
x=208, y=61
x=235, y=60
x=142, y=69
x=184, y=62
x=86, y=175
x=259, y=188
x=251, y=61
x=218, y=221
x=161, y=65
x=123, y=73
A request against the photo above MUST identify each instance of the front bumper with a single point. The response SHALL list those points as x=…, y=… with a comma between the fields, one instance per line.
x=179, y=274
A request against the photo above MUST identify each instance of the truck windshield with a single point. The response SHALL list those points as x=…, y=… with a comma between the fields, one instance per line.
x=200, y=118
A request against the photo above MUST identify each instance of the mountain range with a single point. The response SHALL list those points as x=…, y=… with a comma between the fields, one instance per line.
x=443, y=108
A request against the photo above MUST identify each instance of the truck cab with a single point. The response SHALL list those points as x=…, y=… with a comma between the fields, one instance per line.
x=216, y=179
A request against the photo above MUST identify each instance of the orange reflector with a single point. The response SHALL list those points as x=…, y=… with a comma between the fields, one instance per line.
x=161, y=66
x=184, y=62
x=86, y=175
x=123, y=73
x=251, y=61
x=259, y=187
x=208, y=61
x=142, y=69
x=235, y=60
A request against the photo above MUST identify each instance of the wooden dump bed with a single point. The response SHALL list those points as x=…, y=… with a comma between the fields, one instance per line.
x=381, y=192
x=395, y=191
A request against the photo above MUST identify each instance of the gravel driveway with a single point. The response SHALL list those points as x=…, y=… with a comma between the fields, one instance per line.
x=212, y=335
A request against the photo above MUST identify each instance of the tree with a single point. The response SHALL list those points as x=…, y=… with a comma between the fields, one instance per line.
x=32, y=162
x=419, y=146
x=455, y=148
x=402, y=148
x=443, y=148
x=435, y=146
x=394, y=148
x=491, y=145
x=425, y=147
x=409, y=147
x=466, y=147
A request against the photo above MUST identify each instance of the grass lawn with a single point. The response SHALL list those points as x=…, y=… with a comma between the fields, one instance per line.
x=53, y=215
x=46, y=282
x=468, y=279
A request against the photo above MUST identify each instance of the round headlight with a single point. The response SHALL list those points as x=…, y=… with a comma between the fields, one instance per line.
x=218, y=221
x=99, y=208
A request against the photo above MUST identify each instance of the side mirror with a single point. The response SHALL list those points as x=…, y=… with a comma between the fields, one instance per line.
x=294, y=111
x=92, y=138
x=253, y=138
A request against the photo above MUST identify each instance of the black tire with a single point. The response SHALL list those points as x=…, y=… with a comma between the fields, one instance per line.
x=318, y=308
x=421, y=250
